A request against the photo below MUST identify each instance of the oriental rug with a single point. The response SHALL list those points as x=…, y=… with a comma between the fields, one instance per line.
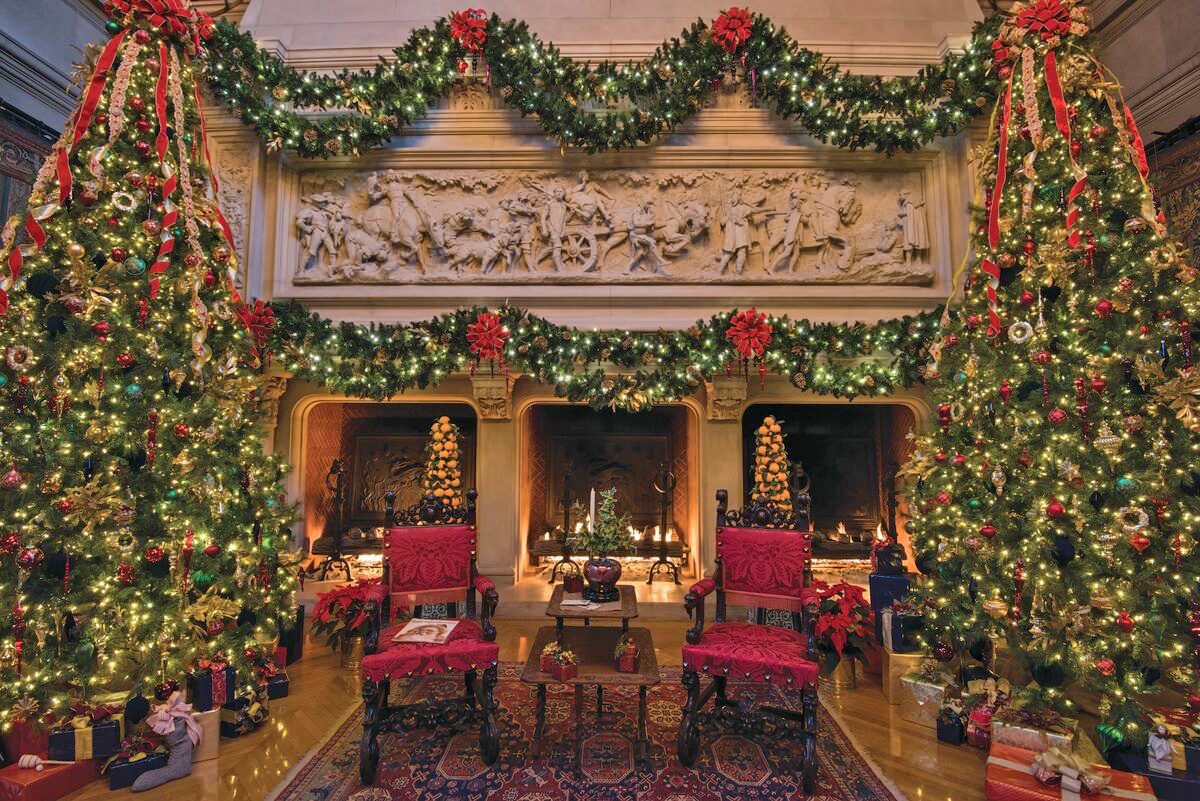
x=445, y=766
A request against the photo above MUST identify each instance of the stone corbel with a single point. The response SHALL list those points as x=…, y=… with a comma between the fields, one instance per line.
x=725, y=397
x=493, y=394
x=274, y=386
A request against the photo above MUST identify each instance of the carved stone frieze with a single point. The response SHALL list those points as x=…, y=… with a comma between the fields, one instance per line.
x=777, y=226
x=725, y=397
x=493, y=393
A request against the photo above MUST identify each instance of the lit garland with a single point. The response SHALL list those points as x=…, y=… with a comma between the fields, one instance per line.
x=606, y=369
x=608, y=107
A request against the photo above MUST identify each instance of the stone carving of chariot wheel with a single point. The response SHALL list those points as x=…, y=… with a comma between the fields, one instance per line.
x=580, y=249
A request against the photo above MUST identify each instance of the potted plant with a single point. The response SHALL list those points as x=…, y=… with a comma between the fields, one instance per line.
x=562, y=663
x=626, y=655
x=606, y=533
x=844, y=627
x=341, y=616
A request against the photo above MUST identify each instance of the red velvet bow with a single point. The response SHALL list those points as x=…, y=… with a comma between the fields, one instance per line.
x=469, y=28
x=731, y=29
x=1000, y=53
x=260, y=319
x=1048, y=17
x=749, y=333
x=486, y=336
x=215, y=665
x=175, y=17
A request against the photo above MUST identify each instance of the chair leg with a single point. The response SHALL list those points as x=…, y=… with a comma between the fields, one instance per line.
x=687, y=743
x=375, y=698
x=720, y=681
x=469, y=681
x=489, y=732
x=809, y=702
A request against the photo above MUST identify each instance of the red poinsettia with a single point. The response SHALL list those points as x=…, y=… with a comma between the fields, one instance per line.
x=1050, y=18
x=845, y=622
x=750, y=333
x=469, y=28
x=487, y=335
x=731, y=29
x=342, y=611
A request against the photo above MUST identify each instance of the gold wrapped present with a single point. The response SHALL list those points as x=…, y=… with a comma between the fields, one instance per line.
x=1034, y=731
x=923, y=694
x=894, y=667
x=210, y=740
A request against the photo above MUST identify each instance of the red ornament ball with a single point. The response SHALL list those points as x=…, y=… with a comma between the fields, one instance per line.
x=113, y=222
x=1076, y=148
x=1055, y=510
x=943, y=498
x=101, y=329
x=940, y=456
x=151, y=227
x=182, y=430
x=10, y=542
x=952, y=340
x=118, y=254
x=215, y=627
x=1124, y=622
x=973, y=322
x=1144, y=329
x=1106, y=666
x=101, y=118
x=988, y=530
x=1057, y=416
x=1099, y=384
x=154, y=554
x=163, y=690
x=251, y=654
x=125, y=360
x=87, y=196
x=141, y=36
x=30, y=557
x=1027, y=298
x=137, y=104
x=211, y=551
x=1125, y=284
x=63, y=506
x=1029, y=247
x=1097, y=131
x=125, y=573
x=1104, y=308
x=143, y=125
x=141, y=147
x=959, y=460
x=1041, y=357
x=1006, y=261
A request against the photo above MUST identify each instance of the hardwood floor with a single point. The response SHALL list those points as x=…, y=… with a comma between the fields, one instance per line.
x=322, y=694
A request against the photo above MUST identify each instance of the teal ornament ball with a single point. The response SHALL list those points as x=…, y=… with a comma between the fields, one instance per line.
x=1126, y=484
x=1106, y=349
x=112, y=26
x=974, y=503
x=960, y=377
x=134, y=266
x=3, y=379
x=172, y=494
x=133, y=391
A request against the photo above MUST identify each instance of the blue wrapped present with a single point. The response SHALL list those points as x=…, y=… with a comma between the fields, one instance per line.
x=245, y=714
x=277, y=685
x=1174, y=786
x=82, y=738
x=899, y=631
x=123, y=773
x=211, y=687
x=291, y=637
x=884, y=591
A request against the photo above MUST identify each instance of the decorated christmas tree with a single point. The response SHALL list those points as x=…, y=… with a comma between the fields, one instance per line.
x=141, y=520
x=771, y=467
x=443, y=473
x=1054, y=500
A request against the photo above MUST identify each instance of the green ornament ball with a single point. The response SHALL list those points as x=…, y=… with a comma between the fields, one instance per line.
x=112, y=26
x=133, y=391
x=974, y=503
x=3, y=379
x=187, y=138
x=177, y=232
x=172, y=494
x=960, y=377
x=1106, y=349
x=1126, y=484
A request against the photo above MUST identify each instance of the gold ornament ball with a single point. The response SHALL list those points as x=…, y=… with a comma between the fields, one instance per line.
x=75, y=250
x=995, y=608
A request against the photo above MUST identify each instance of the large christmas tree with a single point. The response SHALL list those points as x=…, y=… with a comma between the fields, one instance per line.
x=1055, y=500
x=139, y=518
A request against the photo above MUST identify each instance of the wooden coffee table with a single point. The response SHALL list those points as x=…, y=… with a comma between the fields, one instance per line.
x=629, y=609
x=593, y=648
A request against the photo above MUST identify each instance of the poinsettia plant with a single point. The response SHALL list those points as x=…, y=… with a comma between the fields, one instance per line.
x=845, y=623
x=341, y=613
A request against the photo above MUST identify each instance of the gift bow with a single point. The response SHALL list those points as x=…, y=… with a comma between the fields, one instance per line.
x=162, y=719
x=176, y=17
x=1073, y=772
x=994, y=689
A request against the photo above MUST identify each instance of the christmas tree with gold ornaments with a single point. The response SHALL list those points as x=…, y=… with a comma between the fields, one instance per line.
x=771, y=466
x=1056, y=499
x=443, y=473
x=140, y=521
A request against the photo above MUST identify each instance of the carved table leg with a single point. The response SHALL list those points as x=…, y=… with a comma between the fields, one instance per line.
x=558, y=627
x=578, y=727
x=687, y=742
x=375, y=697
x=489, y=732
x=643, y=741
x=540, y=728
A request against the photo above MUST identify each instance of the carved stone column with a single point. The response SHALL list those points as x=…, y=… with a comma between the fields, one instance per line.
x=274, y=386
x=494, y=396
x=725, y=397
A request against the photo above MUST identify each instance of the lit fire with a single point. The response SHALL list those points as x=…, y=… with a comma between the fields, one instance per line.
x=369, y=559
x=880, y=537
x=842, y=534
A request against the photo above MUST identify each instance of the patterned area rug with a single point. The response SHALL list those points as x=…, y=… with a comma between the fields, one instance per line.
x=445, y=766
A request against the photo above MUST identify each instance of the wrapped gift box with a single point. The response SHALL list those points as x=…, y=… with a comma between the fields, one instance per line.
x=979, y=726
x=124, y=773
x=210, y=739
x=1184, y=728
x=25, y=737
x=1010, y=778
x=894, y=667
x=1176, y=786
x=922, y=698
x=50, y=784
x=96, y=741
x=899, y=631
x=210, y=689
x=245, y=714
x=291, y=637
x=277, y=685
x=1033, y=731
x=950, y=727
x=884, y=591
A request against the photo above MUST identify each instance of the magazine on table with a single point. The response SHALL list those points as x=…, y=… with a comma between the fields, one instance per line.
x=427, y=631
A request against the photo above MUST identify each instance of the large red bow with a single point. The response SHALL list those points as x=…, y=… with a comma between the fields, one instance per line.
x=469, y=28
x=260, y=319
x=175, y=17
x=731, y=29
x=486, y=336
x=749, y=333
x=1050, y=18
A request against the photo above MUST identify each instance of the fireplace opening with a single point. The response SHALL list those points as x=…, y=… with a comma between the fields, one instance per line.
x=380, y=448
x=850, y=455
x=569, y=450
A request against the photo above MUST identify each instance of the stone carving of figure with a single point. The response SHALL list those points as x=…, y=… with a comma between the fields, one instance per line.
x=684, y=225
x=913, y=229
x=739, y=218
x=642, y=244
x=523, y=213
x=316, y=242
x=408, y=217
x=791, y=236
x=553, y=218
x=588, y=200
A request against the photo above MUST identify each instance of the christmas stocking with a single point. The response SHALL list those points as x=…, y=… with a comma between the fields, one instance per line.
x=179, y=760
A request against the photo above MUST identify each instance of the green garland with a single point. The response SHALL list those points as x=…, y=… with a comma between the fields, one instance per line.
x=606, y=369
x=608, y=107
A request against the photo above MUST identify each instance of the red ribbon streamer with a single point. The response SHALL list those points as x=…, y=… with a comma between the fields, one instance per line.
x=1001, y=166
x=91, y=98
x=1139, y=149
x=160, y=102
x=993, y=273
x=1073, y=215
x=63, y=168
x=1061, y=118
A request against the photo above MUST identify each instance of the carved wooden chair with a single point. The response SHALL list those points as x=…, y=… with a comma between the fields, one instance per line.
x=429, y=558
x=764, y=561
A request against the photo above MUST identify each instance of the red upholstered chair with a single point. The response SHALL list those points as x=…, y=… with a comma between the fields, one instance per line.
x=429, y=558
x=764, y=561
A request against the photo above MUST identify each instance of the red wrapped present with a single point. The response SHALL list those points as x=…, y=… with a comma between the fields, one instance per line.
x=49, y=784
x=25, y=737
x=280, y=656
x=564, y=671
x=1015, y=774
x=979, y=725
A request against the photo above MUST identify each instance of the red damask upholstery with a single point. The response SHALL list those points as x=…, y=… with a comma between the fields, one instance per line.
x=751, y=652
x=425, y=558
x=464, y=650
x=703, y=587
x=762, y=561
x=483, y=584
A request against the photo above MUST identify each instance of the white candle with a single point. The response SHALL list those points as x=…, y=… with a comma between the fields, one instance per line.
x=592, y=513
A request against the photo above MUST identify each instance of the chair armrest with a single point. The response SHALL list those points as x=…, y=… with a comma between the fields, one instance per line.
x=808, y=622
x=375, y=610
x=483, y=585
x=703, y=587
x=693, y=602
x=491, y=599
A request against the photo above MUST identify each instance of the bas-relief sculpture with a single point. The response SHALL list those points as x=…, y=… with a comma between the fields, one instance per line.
x=807, y=226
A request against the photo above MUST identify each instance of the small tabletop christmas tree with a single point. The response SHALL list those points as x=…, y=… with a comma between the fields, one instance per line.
x=772, y=470
x=443, y=474
x=1054, y=501
x=135, y=497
